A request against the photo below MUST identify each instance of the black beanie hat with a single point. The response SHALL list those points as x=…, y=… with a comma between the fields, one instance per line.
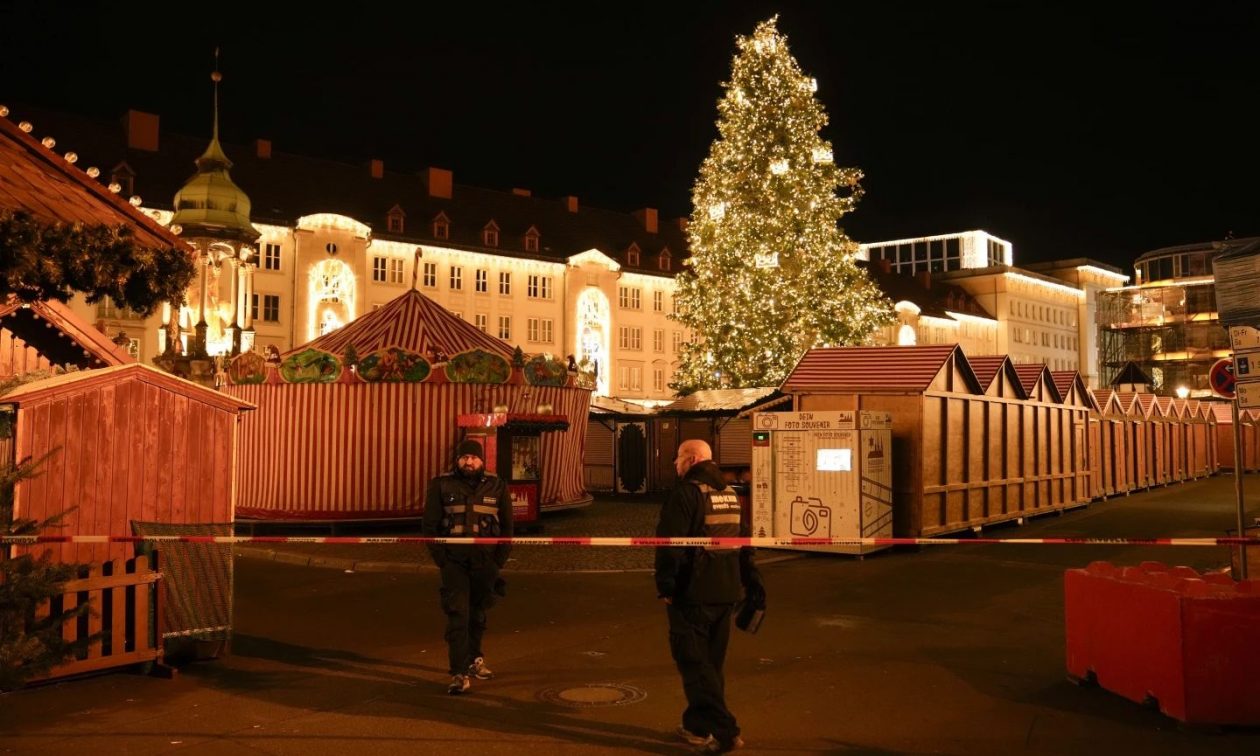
x=468, y=446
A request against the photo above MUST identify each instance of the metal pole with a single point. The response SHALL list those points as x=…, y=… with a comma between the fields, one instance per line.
x=1238, y=489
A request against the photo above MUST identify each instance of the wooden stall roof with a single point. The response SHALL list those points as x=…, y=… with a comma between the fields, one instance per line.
x=997, y=375
x=42, y=182
x=81, y=379
x=1071, y=388
x=721, y=401
x=1223, y=413
x=1033, y=376
x=411, y=322
x=1171, y=407
x=607, y=405
x=876, y=370
x=1102, y=397
x=63, y=337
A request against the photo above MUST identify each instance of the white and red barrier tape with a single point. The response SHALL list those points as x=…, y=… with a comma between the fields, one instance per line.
x=635, y=541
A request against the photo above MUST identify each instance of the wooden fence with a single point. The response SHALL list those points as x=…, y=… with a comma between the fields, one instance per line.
x=123, y=610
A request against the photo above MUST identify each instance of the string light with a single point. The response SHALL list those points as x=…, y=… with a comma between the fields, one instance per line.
x=93, y=172
x=72, y=157
x=48, y=142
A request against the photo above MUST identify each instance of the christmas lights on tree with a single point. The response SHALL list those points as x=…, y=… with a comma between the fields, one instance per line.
x=771, y=272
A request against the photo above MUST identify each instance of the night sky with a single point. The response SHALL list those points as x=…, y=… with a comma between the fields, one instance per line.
x=1067, y=132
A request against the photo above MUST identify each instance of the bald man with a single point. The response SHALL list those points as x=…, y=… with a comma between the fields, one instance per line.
x=700, y=587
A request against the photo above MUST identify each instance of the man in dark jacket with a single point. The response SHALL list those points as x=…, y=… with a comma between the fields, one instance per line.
x=468, y=502
x=700, y=587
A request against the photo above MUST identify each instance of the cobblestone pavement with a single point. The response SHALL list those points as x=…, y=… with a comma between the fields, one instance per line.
x=607, y=517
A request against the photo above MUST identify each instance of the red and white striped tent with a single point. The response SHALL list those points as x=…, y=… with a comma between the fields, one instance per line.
x=331, y=442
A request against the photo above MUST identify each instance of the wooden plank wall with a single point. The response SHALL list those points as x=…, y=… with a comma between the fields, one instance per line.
x=124, y=451
x=18, y=358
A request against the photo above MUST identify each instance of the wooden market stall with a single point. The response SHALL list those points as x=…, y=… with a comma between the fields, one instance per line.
x=1072, y=392
x=354, y=424
x=964, y=455
x=1113, y=450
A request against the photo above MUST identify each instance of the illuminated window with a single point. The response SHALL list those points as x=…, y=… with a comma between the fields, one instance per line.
x=457, y=278
x=481, y=322
x=658, y=379
x=271, y=257
x=270, y=308
x=628, y=298
x=505, y=327
x=658, y=340
x=629, y=377
x=395, y=270
x=505, y=283
x=482, y=281
x=430, y=275
x=658, y=301
x=378, y=269
x=677, y=341
x=538, y=287
x=631, y=338
x=539, y=330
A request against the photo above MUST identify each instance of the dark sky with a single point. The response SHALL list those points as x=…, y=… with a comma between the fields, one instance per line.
x=1070, y=131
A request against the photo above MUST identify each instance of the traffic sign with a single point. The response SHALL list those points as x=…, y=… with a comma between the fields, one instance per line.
x=1249, y=395
x=1221, y=378
x=1244, y=338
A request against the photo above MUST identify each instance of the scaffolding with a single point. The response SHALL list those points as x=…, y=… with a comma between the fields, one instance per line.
x=1170, y=331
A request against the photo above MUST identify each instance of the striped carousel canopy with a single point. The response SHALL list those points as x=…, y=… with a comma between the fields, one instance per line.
x=411, y=322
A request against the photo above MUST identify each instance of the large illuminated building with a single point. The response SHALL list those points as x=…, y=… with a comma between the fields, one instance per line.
x=1166, y=323
x=1038, y=313
x=292, y=247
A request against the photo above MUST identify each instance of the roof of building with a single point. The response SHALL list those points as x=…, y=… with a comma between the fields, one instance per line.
x=80, y=379
x=411, y=322
x=718, y=401
x=1031, y=372
x=1202, y=246
x=284, y=187
x=895, y=369
x=933, y=297
x=1131, y=374
x=986, y=367
x=44, y=183
x=61, y=336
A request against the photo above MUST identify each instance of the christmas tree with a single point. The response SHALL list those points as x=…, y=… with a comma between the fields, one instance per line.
x=771, y=273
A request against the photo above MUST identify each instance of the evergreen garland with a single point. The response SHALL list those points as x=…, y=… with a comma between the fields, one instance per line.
x=40, y=261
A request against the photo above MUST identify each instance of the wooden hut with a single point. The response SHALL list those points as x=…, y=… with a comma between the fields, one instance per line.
x=354, y=424
x=1114, y=463
x=1072, y=392
x=964, y=455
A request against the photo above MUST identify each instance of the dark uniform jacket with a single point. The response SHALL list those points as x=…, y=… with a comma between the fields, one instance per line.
x=462, y=507
x=702, y=505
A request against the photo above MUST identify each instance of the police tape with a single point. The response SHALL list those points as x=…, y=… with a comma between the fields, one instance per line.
x=728, y=542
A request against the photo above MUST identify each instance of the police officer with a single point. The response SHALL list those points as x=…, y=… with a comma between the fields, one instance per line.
x=468, y=502
x=700, y=587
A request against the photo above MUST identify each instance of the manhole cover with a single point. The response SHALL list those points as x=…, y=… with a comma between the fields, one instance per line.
x=595, y=694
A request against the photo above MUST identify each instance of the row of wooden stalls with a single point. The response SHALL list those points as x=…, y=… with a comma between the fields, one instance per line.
x=976, y=440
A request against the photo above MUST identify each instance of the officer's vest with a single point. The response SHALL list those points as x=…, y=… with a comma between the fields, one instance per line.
x=721, y=514
x=473, y=514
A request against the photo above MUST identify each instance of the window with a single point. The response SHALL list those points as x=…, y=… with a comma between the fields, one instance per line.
x=457, y=278
x=505, y=283
x=107, y=309
x=330, y=248
x=271, y=257
x=531, y=241
x=481, y=322
x=505, y=327
x=394, y=222
x=677, y=341
x=538, y=287
x=632, y=256
x=658, y=340
x=395, y=270
x=629, y=297
x=663, y=261
x=378, y=268
x=539, y=330
x=430, y=274
x=483, y=281
x=629, y=377
x=658, y=379
x=490, y=236
x=441, y=227
x=658, y=301
x=631, y=337
x=270, y=308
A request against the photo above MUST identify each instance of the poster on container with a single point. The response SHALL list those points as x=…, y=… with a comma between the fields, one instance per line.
x=822, y=475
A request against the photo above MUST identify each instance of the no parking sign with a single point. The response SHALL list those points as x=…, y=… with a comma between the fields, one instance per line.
x=1221, y=378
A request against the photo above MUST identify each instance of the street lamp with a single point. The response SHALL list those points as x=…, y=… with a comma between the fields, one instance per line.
x=1182, y=392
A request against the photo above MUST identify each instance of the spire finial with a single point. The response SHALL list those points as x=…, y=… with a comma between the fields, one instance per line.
x=216, y=77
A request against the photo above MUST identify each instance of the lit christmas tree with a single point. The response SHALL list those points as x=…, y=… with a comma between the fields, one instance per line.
x=771, y=272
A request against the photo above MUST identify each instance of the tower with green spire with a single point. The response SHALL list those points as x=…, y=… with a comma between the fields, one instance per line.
x=212, y=213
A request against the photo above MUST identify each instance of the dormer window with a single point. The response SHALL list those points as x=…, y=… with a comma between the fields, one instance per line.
x=124, y=177
x=441, y=227
x=490, y=234
x=632, y=255
x=395, y=220
x=531, y=240
x=663, y=262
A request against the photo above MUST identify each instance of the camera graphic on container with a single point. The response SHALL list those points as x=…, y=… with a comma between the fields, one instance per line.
x=810, y=517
